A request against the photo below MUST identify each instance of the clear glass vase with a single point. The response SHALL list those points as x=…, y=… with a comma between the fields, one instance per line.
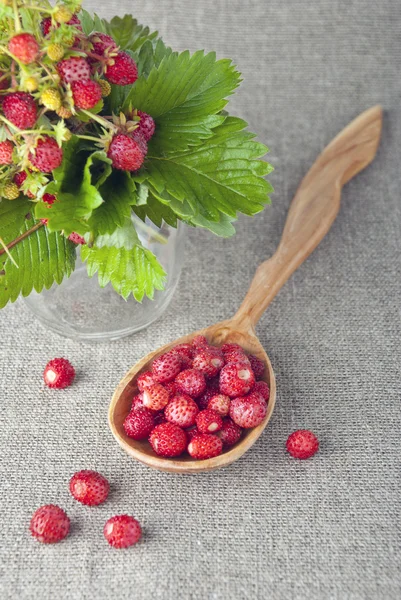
x=80, y=309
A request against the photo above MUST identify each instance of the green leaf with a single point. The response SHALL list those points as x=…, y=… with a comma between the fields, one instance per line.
x=184, y=95
x=90, y=24
x=119, y=259
x=151, y=55
x=42, y=258
x=156, y=211
x=75, y=188
x=128, y=34
x=119, y=194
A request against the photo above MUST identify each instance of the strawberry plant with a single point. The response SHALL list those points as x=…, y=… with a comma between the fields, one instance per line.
x=100, y=121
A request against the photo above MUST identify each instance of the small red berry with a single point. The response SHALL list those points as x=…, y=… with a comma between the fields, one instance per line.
x=208, y=361
x=263, y=389
x=137, y=402
x=155, y=397
x=49, y=199
x=76, y=239
x=123, y=71
x=145, y=380
x=19, y=179
x=227, y=348
x=59, y=373
x=122, y=531
x=75, y=68
x=230, y=433
x=205, y=445
x=125, y=153
x=89, y=487
x=86, y=94
x=302, y=444
x=102, y=42
x=220, y=404
x=160, y=418
x=200, y=341
x=191, y=382
x=46, y=25
x=49, y=524
x=139, y=423
x=171, y=387
x=257, y=365
x=6, y=154
x=47, y=155
x=24, y=47
x=209, y=421
x=191, y=433
x=168, y=440
x=146, y=126
x=203, y=400
x=186, y=352
x=20, y=108
x=166, y=367
x=236, y=379
x=248, y=411
x=182, y=411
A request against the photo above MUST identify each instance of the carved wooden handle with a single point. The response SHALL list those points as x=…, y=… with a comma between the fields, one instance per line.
x=313, y=209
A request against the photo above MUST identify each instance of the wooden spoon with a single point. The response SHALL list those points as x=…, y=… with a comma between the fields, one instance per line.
x=311, y=214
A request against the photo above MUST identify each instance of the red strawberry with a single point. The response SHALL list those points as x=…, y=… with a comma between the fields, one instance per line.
x=75, y=68
x=208, y=361
x=248, y=411
x=89, y=487
x=49, y=199
x=24, y=47
x=160, y=418
x=200, y=341
x=227, y=348
x=145, y=380
x=257, y=365
x=139, y=423
x=59, y=373
x=205, y=446
x=191, y=433
x=236, y=379
x=171, y=387
x=155, y=397
x=203, y=400
x=48, y=156
x=147, y=125
x=123, y=71
x=168, y=440
x=233, y=353
x=208, y=421
x=137, y=402
x=76, y=239
x=102, y=42
x=19, y=179
x=302, y=444
x=122, y=531
x=182, y=411
x=263, y=389
x=125, y=153
x=49, y=524
x=6, y=154
x=191, y=382
x=230, y=433
x=166, y=367
x=46, y=25
x=220, y=404
x=20, y=109
x=186, y=352
x=86, y=93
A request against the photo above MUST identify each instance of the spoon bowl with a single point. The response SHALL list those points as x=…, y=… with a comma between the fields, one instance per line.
x=312, y=212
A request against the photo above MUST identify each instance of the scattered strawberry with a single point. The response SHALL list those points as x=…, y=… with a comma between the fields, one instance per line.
x=76, y=239
x=230, y=433
x=49, y=199
x=146, y=126
x=182, y=411
x=89, y=487
x=86, y=93
x=209, y=421
x=75, y=68
x=248, y=411
x=125, y=153
x=47, y=156
x=263, y=389
x=233, y=353
x=205, y=446
x=137, y=402
x=20, y=108
x=155, y=397
x=139, y=423
x=49, y=524
x=208, y=361
x=236, y=379
x=186, y=352
x=59, y=373
x=6, y=154
x=203, y=401
x=123, y=71
x=191, y=382
x=102, y=43
x=145, y=380
x=171, y=387
x=257, y=365
x=122, y=531
x=220, y=404
x=200, y=341
x=24, y=47
x=168, y=440
x=302, y=444
x=166, y=367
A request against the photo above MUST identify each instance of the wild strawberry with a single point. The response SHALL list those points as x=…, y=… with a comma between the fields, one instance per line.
x=89, y=487
x=6, y=153
x=55, y=52
x=160, y=418
x=182, y=411
x=205, y=446
x=191, y=433
x=75, y=68
x=76, y=239
x=10, y=191
x=200, y=341
x=102, y=42
x=64, y=112
x=302, y=444
x=47, y=155
x=248, y=411
x=51, y=99
x=230, y=433
x=171, y=387
x=186, y=352
x=257, y=365
x=191, y=382
x=19, y=179
x=46, y=24
x=140, y=140
x=125, y=153
x=62, y=14
x=122, y=531
x=59, y=373
x=123, y=71
x=166, y=367
x=20, y=109
x=49, y=199
x=155, y=397
x=203, y=400
x=227, y=348
x=137, y=402
x=146, y=126
x=86, y=94
x=139, y=423
x=168, y=440
x=24, y=47
x=208, y=361
x=263, y=389
x=220, y=404
x=236, y=379
x=145, y=380
x=233, y=353
x=208, y=421
x=49, y=524
x=105, y=87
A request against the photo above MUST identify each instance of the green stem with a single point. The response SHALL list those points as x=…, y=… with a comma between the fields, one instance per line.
x=100, y=120
x=39, y=8
x=6, y=251
x=11, y=125
x=19, y=239
x=16, y=16
x=158, y=237
x=87, y=137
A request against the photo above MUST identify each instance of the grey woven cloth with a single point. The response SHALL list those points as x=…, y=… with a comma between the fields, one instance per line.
x=268, y=527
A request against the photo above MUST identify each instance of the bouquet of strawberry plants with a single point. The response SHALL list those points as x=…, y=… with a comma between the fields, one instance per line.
x=100, y=121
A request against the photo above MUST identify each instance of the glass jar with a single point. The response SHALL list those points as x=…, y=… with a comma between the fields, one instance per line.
x=80, y=309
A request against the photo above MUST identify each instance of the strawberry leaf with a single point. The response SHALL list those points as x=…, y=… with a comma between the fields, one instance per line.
x=128, y=33
x=119, y=193
x=156, y=211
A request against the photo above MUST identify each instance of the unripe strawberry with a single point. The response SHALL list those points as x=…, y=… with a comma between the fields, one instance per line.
x=62, y=14
x=31, y=84
x=105, y=87
x=51, y=99
x=64, y=113
x=55, y=51
x=10, y=191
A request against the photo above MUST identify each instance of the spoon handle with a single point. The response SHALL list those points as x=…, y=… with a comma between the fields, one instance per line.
x=313, y=209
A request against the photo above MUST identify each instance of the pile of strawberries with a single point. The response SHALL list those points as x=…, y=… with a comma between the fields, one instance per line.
x=198, y=398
